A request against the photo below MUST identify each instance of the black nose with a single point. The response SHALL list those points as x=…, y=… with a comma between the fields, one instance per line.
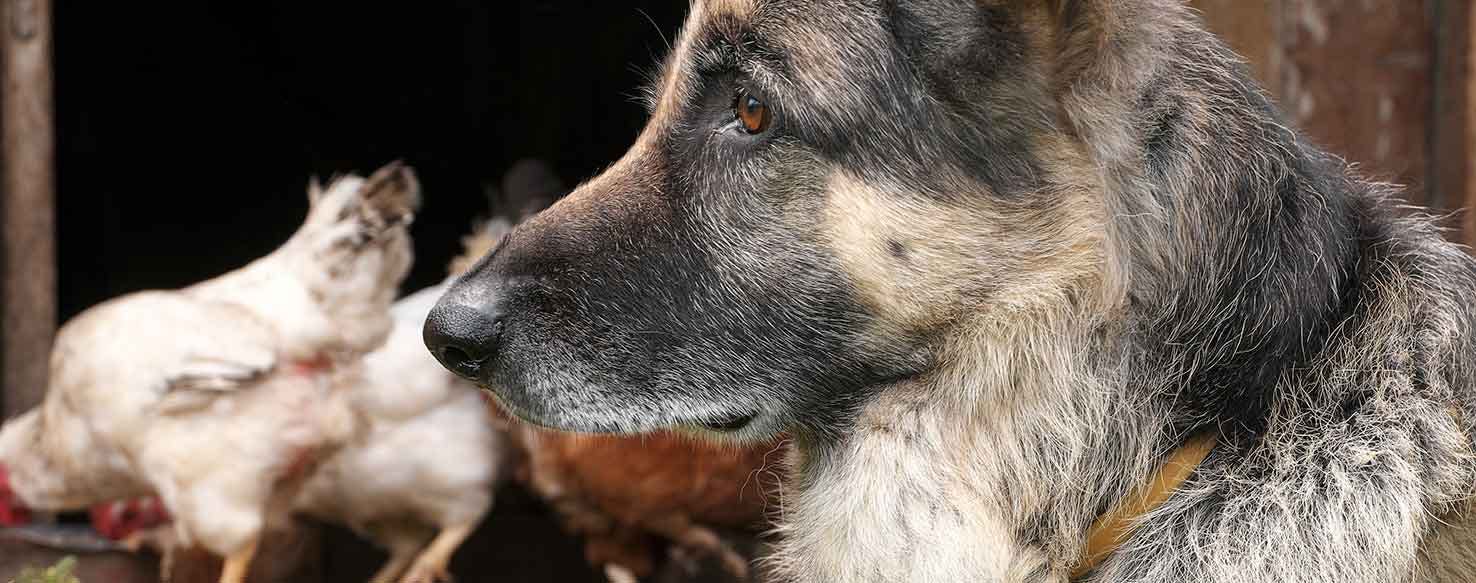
x=463, y=337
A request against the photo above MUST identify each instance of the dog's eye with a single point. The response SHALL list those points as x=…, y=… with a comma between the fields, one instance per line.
x=752, y=114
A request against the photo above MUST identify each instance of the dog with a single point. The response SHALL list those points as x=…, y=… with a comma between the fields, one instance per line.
x=1044, y=290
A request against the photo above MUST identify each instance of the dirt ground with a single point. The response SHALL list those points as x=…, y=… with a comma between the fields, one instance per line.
x=519, y=542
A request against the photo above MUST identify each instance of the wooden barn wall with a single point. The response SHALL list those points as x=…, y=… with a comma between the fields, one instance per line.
x=1383, y=83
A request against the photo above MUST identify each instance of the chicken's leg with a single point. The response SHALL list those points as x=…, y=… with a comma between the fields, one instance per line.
x=390, y=572
x=162, y=540
x=402, y=554
x=434, y=563
x=237, y=565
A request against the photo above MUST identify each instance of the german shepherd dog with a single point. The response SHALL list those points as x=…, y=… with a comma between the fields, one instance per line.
x=993, y=264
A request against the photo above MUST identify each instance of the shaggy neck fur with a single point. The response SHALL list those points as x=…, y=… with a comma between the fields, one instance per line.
x=1263, y=292
x=1017, y=443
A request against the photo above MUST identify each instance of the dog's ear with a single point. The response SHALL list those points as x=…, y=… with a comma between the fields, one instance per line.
x=947, y=38
x=1083, y=33
x=956, y=35
x=1062, y=8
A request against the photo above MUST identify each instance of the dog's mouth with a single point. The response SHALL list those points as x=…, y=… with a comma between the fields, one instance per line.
x=724, y=424
x=731, y=424
x=612, y=419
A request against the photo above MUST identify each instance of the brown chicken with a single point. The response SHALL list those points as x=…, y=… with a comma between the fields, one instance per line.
x=221, y=396
x=629, y=498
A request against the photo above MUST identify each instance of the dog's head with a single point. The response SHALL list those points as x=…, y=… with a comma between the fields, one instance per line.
x=824, y=190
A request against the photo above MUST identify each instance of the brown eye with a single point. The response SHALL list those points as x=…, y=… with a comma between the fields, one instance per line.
x=752, y=113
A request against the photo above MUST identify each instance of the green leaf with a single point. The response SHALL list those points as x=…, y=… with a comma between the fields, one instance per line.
x=58, y=573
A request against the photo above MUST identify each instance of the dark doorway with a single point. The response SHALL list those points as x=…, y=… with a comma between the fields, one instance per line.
x=188, y=130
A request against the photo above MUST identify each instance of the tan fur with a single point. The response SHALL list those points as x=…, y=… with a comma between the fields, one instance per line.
x=737, y=8
x=916, y=259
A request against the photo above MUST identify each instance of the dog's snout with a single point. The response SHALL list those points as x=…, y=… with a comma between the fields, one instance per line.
x=464, y=336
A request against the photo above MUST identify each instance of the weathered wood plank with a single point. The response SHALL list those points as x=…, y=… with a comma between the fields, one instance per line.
x=1462, y=138
x=27, y=203
x=1357, y=76
x=1451, y=144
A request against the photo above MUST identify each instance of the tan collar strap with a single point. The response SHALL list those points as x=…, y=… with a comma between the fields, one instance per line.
x=1114, y=526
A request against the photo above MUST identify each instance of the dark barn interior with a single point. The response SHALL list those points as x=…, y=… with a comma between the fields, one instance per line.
x=186, y=133
x=187, y=130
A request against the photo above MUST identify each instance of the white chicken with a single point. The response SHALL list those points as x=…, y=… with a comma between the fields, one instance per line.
x=420, y=473
x=425, y=461
x=220, y=397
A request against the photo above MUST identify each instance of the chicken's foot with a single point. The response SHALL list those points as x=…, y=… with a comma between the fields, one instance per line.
x=433, y=565
x=161, y=540
x=237, y=565
x=402, y=554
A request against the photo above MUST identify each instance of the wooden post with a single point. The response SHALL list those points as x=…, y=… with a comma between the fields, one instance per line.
x=1465, y=78
x=27, y=203
x=1451, y=118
